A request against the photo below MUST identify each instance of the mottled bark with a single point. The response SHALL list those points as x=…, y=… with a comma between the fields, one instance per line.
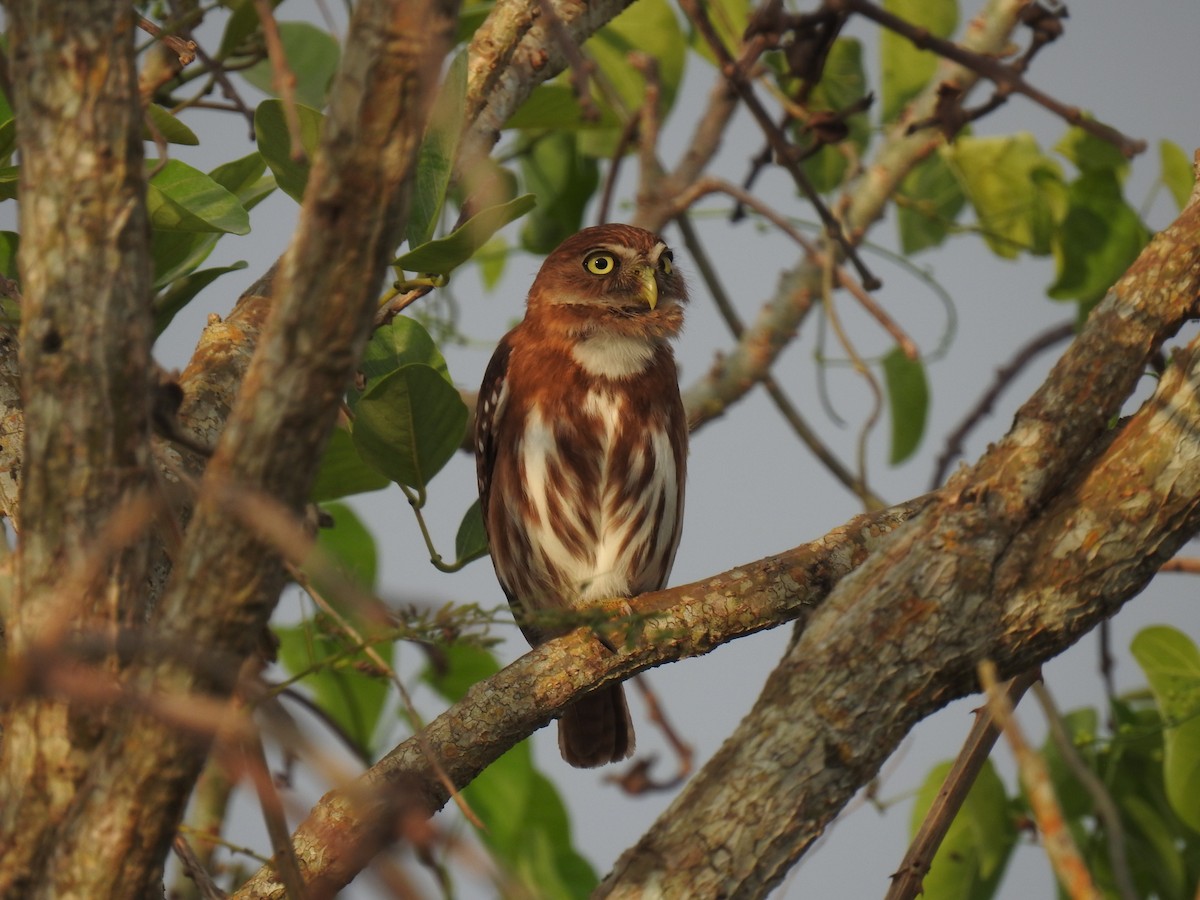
x=85, y=275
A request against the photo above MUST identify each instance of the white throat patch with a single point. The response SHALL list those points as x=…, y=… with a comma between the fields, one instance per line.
x=613, y=356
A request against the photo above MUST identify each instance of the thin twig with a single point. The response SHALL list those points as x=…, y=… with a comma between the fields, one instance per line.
x=1060, y=846
x=284, y=858
x=808, y=436
x=907, y=880
x=1106, y=809
x=735, y=72
x=283, y=78
x=1185, y=564
x=991, y=68
x=194, y=869
x=1004, y=378
x=184, y=49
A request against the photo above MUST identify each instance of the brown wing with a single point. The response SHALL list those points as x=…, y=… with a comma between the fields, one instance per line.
x=493, y=394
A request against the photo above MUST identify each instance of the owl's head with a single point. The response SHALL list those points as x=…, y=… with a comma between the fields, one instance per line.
x=612, y=277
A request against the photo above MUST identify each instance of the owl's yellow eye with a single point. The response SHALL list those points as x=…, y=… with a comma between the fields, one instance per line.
x=600, y=263
x=665, y=263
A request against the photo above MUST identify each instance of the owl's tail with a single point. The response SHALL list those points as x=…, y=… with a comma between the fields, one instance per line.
x=596, y=730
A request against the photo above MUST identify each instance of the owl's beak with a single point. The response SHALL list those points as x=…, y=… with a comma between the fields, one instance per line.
x=649, y=286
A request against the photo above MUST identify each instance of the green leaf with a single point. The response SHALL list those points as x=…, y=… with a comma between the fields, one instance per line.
x=931, y=200
x=444, y=255
x=312, y=54
x=1177, y=173
x=554, y=105
x=1082, y=727
x=1097, y=241
x=1016, y=190
x=1092, y=154
x=183, y=291
x=648, y=26
x=908, y=402
x=1171, y=662
x=729, y=19
x=526, y=824
x=471, y=541
x=342, y=471
x=401, y=342
x=492, y=258
x=352, y=698
x=563, y=180
x=9, y=177
x=270, y=128
x=10, y=241
x=172, y=129
x=435, y=160
x=243, y=22
x=972, y=857
x=409, y=423
x=180, y=198
x=244, y=179
x=843, y=83
x=8, y=139
x=905, y=69
x=350, y=544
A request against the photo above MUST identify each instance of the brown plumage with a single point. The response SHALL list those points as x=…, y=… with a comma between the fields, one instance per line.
x=581, y=449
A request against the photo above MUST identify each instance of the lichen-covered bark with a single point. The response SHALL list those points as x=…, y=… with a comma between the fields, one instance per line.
x=85, y=277
x=1057, y=526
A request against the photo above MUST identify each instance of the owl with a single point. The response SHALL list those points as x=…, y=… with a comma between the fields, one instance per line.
x=581, y=450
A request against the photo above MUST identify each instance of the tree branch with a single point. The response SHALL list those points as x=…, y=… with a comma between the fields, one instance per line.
x=1020, y=556
x=85, y=273
x=225, y=581
x=674, y=624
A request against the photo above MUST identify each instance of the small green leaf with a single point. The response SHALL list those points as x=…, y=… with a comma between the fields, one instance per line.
x=931, y=201
x=972, y=857
x=352, y=698
x=9, y=242
x=908, y=402
x=444, y=255
x=843, y=83
x=563, y=180
x=270, y=127
x=729, y=19
x=243, y=22
x=350, y=544
x=526, y=823
x=1092, y=154
x=183, y=291
x=342, y=471
x=1171, y=662
x=244, y=179
x=180, y=198
x=1017, y=191
x=9, y=177
x=471, y=541
x=1177, y=172
x=435, y=161
x=651, y=27
x=401, y=342
x=1097, y=241
x=312, y=55
x=409, y=423
x=492, y=258
x=8, y=139
x=555, y=105
x=905, y=69
x=172, y=129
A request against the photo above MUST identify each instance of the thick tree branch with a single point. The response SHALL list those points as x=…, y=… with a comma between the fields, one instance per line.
x=85, y=276
x=1022, y=554
x=226, y=581
x=674, y=624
